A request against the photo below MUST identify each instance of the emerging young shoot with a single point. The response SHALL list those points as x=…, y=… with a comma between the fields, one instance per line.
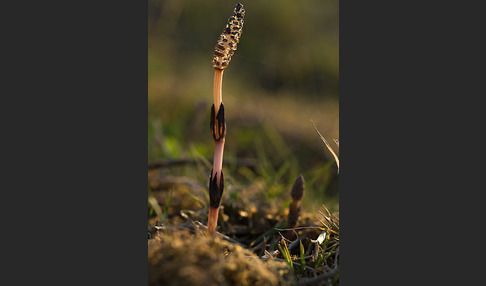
x=297, y=194
x=224, y=49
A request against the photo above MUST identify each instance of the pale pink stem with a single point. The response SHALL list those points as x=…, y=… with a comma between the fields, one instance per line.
x=218, y=158
x=219, y=146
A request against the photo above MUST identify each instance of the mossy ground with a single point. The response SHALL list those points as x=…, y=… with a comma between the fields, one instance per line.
x=247, y=248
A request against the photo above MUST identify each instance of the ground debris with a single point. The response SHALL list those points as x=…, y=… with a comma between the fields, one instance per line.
x=244, y=250
x=183, y=258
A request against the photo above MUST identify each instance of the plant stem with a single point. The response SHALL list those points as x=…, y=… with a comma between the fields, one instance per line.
x=217, y=88
x=219, y=135
x=219, y=145
x=224, y=49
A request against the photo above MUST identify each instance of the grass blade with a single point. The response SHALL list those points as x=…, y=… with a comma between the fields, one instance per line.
x=166, y=211
x=155, y=205
x=327, y=145
x=282, y=246
x=197, y=200
x=302, y=260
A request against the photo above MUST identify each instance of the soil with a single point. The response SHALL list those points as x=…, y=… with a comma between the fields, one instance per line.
x=246, y=250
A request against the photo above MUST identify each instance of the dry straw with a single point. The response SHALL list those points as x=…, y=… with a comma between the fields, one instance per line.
x=336, y=158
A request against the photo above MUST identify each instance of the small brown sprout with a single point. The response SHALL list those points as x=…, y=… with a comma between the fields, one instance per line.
x=297, y=194
x=298, y=189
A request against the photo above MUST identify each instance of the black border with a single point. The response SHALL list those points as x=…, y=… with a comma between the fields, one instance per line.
x=76, y=143
x=408, y=185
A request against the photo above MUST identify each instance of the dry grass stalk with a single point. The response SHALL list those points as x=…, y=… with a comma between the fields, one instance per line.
x=224, y=49
x=328, y=146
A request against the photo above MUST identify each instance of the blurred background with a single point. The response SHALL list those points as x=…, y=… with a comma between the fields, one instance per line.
x=284, y=74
